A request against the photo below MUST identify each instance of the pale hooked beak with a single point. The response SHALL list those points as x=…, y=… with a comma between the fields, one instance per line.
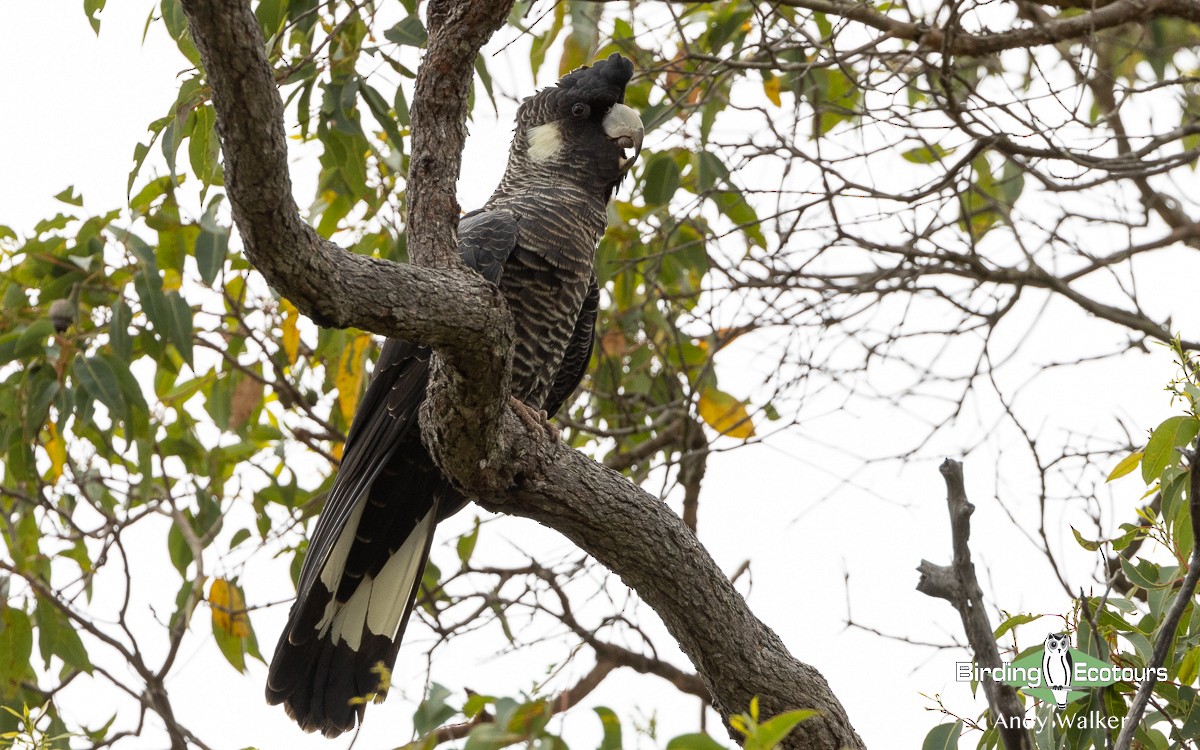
x=623, y=125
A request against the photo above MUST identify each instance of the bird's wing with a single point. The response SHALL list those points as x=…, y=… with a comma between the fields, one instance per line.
x=368, y=550
x=486, y=239
x=388, y=409
x=579, y=351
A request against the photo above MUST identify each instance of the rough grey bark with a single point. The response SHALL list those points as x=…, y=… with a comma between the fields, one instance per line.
x=468, y=422
x=957, y=584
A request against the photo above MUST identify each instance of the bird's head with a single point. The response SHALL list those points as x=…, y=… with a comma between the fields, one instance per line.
x=582, y=124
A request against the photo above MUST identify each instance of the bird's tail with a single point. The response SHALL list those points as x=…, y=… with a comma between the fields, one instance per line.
x=343, y=633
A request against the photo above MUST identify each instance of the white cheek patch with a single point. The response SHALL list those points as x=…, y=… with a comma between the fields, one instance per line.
x=544, y=142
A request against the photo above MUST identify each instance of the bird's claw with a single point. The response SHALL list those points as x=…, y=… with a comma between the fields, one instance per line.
x=536, y=420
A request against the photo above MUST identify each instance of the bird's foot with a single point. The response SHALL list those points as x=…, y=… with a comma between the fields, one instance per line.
x=535, y=419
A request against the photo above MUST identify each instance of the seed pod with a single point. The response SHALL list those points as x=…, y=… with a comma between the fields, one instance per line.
x=62, y=314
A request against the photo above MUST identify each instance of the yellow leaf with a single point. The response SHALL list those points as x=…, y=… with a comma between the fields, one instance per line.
x=228, y=608
x=1126, y=465
x=56, y=448
x=349, y=375
x=291, y=332
x=725, y=414
x=771, y=88
x=172, y=281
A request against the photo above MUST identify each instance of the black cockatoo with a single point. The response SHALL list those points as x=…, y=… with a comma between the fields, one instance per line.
x=536, y=239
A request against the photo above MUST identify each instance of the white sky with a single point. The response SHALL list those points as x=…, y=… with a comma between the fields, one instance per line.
x=75, y=106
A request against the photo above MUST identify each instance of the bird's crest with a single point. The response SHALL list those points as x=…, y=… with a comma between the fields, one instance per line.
x=608, y=76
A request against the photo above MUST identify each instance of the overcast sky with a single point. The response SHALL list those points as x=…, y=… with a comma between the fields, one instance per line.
x=75, y=106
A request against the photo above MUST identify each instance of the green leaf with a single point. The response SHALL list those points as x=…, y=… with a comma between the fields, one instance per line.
x=1174, y=432
x=1013, y=622
x=42, y=388
x=70, y=197
x=978, y=202
x=204, y=147
x=179, y=325
x=476, y=703
x=661, y=180
x=1189, y=667
x=131, y=390
x=490, y=736
x=433, y=711
x=542, y=42
x=14, y=295
x=148, y=285
x=943, y=737
x=485, y=77
x=612, y=728
x=709, y=170
x=47, y=624
x=178, y=550
x=271, y=15
x=232, y=647
x=1090, y=546
x=733, y=204
x=580, y=45
x=69, y=648
x=1144, y=574
x=773, y=731
x=173, y=17
x=379, y=109
x=1125, y=466
x=466, y=544
x=834, y=97
x=697, y=741
x=33, y=339
x=16, y=645
x=1011, y=184
x=239, y=536
x=92, y=8
x=410, y=32
x=97, y=377
x=118, y=329
x=927, y=154
x=8, y=347
x=400, y=105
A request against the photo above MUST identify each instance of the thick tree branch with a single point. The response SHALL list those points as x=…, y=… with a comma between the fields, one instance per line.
x=653, y=552
x=958, y=585
x=467, y=424
x=1105, y=14
x=457, y=31
x=447, y=308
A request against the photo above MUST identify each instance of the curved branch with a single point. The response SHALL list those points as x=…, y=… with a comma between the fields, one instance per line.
x=644, y=542
x=1101, y=14
x=447, y=308
x=957, y=584
x=467, y=424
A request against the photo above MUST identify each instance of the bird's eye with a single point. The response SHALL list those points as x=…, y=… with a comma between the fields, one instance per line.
x=581, y=110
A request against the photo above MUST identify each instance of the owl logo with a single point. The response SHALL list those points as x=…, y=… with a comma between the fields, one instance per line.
x=1057, y=667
